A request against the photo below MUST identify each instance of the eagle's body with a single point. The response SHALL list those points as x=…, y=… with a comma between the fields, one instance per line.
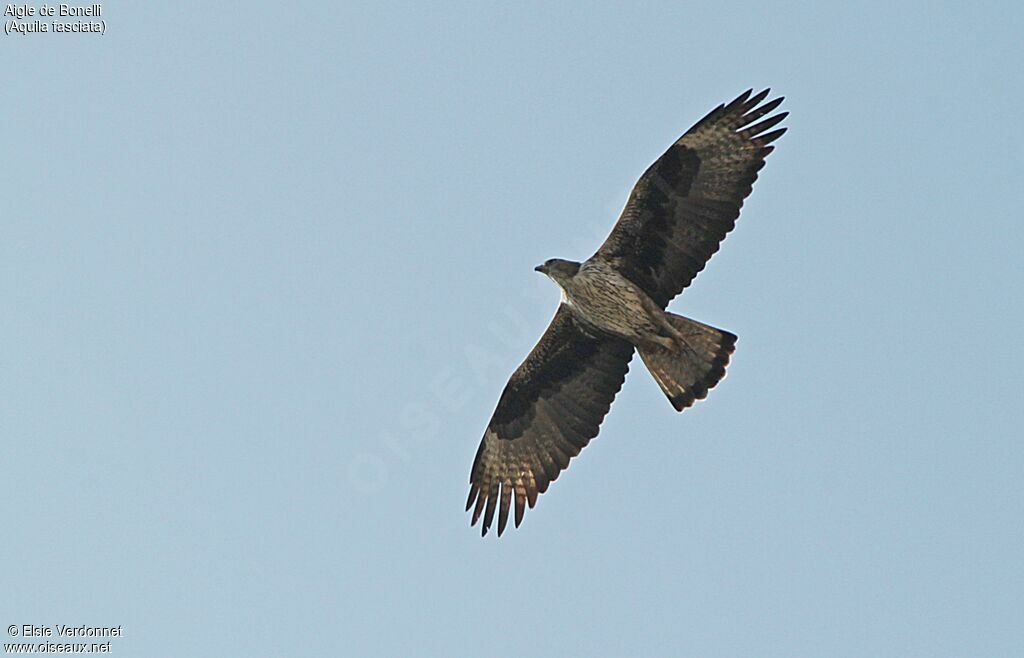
x=598, y=296
x=614, y=303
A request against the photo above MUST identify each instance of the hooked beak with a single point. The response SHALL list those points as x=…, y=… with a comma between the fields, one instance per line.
x=541, y=269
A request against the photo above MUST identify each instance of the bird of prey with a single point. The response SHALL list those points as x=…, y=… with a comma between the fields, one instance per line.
x=614, y=302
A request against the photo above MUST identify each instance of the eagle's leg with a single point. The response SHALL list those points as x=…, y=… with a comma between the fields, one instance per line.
x=670, y=336
x=667, y=342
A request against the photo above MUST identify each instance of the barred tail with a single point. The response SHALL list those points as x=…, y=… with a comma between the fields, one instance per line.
x=689, y=369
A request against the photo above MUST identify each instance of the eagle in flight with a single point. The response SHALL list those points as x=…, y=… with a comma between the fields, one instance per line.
x=614, y=302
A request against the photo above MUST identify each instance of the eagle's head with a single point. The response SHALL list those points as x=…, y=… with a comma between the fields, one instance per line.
x=558, y=270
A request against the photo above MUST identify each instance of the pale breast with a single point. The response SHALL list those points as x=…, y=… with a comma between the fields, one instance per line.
x=606, y=299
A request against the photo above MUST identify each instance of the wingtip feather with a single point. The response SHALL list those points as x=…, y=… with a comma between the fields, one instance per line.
x=506, y=500
x=768, y=138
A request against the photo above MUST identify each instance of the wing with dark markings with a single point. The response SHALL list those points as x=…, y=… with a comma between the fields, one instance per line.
x=550, y=409
x=688, y=200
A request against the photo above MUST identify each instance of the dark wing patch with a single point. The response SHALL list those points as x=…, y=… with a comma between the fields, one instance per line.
x=688, y=200
x=550, y=409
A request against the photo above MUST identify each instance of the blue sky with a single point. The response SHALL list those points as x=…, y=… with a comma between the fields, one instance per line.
x=267, y=267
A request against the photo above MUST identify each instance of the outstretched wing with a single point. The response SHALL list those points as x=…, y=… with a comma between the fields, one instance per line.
x=685, y=203
x=550, y=409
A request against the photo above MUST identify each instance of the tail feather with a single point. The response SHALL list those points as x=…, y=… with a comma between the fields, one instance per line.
x=692, y=367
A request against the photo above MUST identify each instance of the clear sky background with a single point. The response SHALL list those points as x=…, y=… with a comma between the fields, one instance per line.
x=267, y=266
